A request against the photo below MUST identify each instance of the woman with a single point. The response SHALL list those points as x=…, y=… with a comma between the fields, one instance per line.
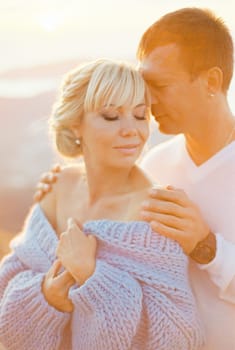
x=75, y=280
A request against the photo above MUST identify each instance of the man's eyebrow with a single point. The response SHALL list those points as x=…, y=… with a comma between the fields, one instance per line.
x=156, y=82
x=151, y=81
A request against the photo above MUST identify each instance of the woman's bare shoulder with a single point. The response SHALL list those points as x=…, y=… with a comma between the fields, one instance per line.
x=142, y=181
x=141, y=190
x=69, y=175
x=67, y=178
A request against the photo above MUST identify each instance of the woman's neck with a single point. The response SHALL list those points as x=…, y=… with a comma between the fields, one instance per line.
x=103, y=182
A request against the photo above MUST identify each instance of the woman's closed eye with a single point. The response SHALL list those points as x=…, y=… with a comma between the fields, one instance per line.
x=141, y=117
x=116, y=117
x=110, y=117
x=140, y=113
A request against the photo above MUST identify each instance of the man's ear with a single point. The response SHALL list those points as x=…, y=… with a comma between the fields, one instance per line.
x=214, y=77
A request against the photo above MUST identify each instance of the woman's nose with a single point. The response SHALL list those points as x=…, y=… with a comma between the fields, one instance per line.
x=128, y=127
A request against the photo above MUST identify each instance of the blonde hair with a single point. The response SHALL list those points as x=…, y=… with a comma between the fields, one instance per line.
x=88, y=88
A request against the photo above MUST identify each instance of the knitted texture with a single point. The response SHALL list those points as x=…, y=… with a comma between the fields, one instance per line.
x=138, y=298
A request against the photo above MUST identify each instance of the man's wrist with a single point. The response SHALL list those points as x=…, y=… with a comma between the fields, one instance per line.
x=205, y=251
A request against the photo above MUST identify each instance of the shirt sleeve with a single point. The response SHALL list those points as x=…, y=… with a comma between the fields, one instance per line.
x=27, y=321
x=222, y=268
x=107, y=309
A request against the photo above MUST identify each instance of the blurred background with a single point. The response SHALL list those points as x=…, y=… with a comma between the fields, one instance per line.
x=40, y=40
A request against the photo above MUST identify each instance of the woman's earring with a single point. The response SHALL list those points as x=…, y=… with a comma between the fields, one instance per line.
x=211, y=94
x=77, y=141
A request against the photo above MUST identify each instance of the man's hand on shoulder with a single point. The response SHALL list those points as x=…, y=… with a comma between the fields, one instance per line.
x=60, y=185
x=172, y=214
x=46, y=182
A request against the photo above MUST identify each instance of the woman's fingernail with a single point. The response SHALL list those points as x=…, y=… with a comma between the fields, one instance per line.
x=69, y=221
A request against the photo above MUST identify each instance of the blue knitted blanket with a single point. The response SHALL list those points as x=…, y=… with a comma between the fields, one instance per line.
x=138, y=298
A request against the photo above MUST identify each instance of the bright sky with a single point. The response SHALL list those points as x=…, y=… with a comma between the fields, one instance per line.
x=41, y=31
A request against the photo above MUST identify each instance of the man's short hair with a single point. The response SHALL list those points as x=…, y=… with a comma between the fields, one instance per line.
x=203, y=38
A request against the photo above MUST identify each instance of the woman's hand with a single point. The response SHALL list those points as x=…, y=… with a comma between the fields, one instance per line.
x=46, y=181
x=77, y=252
x=56, y=287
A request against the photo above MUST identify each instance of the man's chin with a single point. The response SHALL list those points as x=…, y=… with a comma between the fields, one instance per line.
x=167, y=130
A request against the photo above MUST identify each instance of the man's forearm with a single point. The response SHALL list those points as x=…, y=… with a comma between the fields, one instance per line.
x=221, y=269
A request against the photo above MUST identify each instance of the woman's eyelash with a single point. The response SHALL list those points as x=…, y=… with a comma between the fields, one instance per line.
x=109, y=118
x=140, y=117
x=106, y=117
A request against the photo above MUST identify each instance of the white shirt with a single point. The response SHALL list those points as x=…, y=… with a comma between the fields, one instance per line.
x=212, y=187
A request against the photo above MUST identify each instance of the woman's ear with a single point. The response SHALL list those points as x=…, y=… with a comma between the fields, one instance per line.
x=77, y=131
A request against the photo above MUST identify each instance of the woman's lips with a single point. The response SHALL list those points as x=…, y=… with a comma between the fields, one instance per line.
x=128, y=149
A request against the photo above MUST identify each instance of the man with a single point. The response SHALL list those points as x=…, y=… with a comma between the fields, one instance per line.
x=186, y=57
